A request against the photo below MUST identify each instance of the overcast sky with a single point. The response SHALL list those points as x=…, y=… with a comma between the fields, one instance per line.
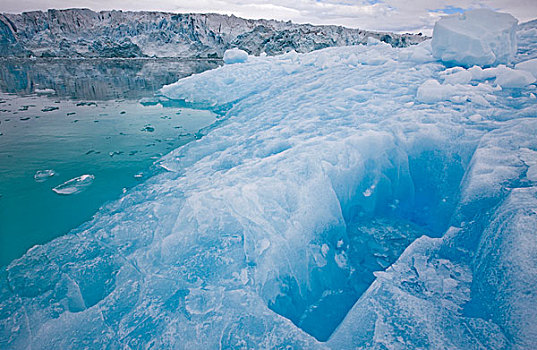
x=390, y=15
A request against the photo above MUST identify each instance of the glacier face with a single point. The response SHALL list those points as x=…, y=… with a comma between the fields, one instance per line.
x=333, y=206
x=84, y=33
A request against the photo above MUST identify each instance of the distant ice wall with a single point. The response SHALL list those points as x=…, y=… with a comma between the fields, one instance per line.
x=84, y=33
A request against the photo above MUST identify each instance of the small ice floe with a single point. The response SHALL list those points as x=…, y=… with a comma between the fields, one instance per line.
x=45, y=91
x=43, y=175
x=115, y=153
x=74, y=186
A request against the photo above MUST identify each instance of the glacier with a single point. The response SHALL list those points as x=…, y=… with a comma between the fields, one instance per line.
x=84, y=33
x=353, y=197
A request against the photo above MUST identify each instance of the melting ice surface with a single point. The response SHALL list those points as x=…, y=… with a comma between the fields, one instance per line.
x=332, y=208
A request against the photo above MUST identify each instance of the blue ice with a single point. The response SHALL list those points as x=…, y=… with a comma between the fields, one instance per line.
x=340, y=203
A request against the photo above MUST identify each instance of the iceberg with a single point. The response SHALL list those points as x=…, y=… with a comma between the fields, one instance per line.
x=338, y=202
x=477, y=37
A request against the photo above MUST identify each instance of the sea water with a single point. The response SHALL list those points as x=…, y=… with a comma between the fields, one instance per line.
x=75, y=134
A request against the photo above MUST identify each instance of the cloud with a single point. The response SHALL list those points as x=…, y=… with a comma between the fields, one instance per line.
x=384, y=15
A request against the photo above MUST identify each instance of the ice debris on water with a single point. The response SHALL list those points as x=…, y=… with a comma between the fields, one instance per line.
x=75, y=185
x=358, y=197
x=115, y=153
x=148, y=128
x=49, y=109
x=45, y=91
x=44, y=175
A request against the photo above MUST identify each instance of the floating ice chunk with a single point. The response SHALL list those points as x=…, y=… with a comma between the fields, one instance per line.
x=43, y=175
x=45, y=91
x=511, y=78
x=235, y=56
x=148, y=128
x=74, y=186
x=528, y=66
x=477, y=37
x=49, y=109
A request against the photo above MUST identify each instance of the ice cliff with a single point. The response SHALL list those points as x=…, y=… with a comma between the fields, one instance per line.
x=84, y=33
x=362, y=197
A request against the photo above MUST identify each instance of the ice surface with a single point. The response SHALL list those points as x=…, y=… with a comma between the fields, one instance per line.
x=476, y=37
x=235, y=56
x=527, y=46
x=75, y=185
x=528, y=66
x=357, y=197
x=511, y=78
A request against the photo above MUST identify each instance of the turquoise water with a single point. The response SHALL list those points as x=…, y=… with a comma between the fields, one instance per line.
x=74, y=132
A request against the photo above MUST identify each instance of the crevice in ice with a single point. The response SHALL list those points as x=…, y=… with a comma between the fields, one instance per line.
x=390, y=207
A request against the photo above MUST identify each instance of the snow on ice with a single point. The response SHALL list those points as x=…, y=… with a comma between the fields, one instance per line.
x=354, y=197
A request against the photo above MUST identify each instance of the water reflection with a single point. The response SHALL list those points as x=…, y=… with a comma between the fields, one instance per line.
x=96, y=79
